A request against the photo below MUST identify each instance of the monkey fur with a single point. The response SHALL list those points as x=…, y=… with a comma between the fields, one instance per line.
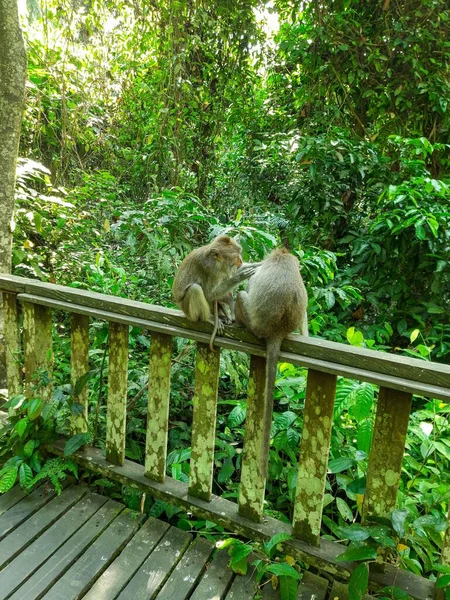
x=203, y=284
x=274, y=305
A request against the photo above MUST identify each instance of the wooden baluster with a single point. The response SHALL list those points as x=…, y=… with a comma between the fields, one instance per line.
x=79, y=356
x=38, y=349
x=386, y=453
x=117, y=393
x=314, y=451
x=256, y=447
x=445, y=556
x=12, y=342
x=204, y=421
x=158, y=406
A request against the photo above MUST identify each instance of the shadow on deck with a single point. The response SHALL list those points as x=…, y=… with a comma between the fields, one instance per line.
x=84, y=545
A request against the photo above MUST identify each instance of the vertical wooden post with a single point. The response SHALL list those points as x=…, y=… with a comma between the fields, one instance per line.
x=158, y=406
x=117, y=393
x=204, y=421
x=38, y=349
x=256, y=447
x=445, y=556
x=79, y=359
x=386, y=453
x=314, y=451
x=12, y=341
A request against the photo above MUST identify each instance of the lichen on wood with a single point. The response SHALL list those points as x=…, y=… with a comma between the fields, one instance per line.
x=158, y=406
x=79, y=356
x=204, y=421
x=314, y=451
x=12, y=339
x=117, y=393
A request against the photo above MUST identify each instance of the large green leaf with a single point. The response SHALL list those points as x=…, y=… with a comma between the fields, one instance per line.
x=361, y=553
x=358, y=582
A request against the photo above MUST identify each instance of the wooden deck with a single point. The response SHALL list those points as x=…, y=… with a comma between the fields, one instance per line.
x=84, y=545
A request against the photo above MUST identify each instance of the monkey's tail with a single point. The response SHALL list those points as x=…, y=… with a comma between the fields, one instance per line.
x=273, y=350
x=216, y=325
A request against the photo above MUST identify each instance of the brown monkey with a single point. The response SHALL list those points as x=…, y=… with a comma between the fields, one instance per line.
x=273, y=306
x=202, y=285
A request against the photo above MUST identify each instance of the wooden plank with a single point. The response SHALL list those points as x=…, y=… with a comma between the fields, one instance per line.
x=256, y=447
x=361, y=358
x=185, y=575
x=215, y=580
x=155, y=570
x=26, y=533
x=225, y=512
x=12, y=343
x=314, y=451
x=79, y=366
x=243, y=587
x=204, y=402
x=386, y=453
x=30, y=559
x=117, y=393
x=12, y=497
x=63, y=558
x=339, y=591
x=233, y=341
x=158, y=406
x=312, y=587
x=24, y=509
x=81, y=576
x=119, y=573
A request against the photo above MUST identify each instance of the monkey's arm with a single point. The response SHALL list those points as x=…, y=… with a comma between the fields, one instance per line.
x=244, y=272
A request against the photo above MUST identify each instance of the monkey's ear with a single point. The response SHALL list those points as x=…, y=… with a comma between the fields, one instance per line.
x=214, y=253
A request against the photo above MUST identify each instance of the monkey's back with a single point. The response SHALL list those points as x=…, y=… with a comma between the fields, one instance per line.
x=277, y=296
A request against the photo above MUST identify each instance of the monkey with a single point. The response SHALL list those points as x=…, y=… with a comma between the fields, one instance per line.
x=203, y=284
x=274, y=305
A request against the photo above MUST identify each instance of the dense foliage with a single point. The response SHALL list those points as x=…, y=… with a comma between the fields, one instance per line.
x=151, y=127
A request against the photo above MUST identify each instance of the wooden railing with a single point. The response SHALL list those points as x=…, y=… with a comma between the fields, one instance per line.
x=398, y=378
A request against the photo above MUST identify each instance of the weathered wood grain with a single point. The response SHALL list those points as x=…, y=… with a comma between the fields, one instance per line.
x=185, y=575
x=204, y=402
x=30, y=559
x=119, y=573
x=26, y=533
x=215, y=580
x=52, y=570
x=237, y=339
x=158, y=406
x=312, y=587
x=256, y=446
x=244, y=586
x=386, y=453
x=12, y=342
x=83, y=573
x=314, y=451
x=44, y=350
x=79, y=366
x=12, y=497
x=25, y=508
x=116, y=415
x=225, y=512
x=155, y=570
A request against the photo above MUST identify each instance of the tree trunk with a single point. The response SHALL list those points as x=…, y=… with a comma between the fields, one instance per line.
x=13, y=69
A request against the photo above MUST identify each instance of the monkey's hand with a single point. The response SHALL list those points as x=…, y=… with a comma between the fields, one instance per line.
x=245, y=272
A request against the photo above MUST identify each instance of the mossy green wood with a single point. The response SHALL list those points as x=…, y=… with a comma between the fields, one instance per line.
x=386, y=453
x=38, y=350
x=117, y=393
x=204, y=421
x=12, y=341
x=256, y=448
x=314, y=451
x=158, y=406
x=445, y=558
x=79, y=357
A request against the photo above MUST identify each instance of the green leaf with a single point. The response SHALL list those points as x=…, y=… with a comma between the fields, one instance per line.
x=274, y=541
x=344, y=509
x=35, y=409
x=358, y=582
x=355, y=533
x=25, y=476
x=443, y=581
x=398, y=520
x=226, y=471
x=239, y=566
x=362, y=553
x=21, y=426
x=8, y=479
x=237, y=416
x=288, y=588
x=75, y=442
x=414, y=334
x=337, y=465
x=283, y=569
x=358, y=486
x=28, y=449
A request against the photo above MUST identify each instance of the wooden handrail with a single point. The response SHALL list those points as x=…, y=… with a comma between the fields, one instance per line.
x=398, y=377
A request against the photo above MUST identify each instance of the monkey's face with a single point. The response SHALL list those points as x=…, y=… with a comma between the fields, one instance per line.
x=227, y=253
